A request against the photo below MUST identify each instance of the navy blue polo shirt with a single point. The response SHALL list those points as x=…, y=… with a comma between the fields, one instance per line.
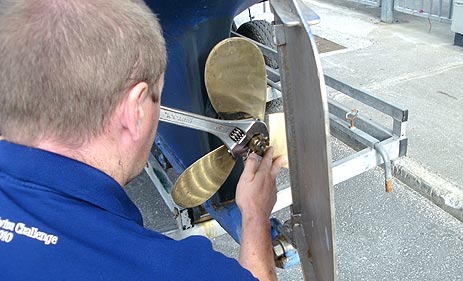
x=61, y=219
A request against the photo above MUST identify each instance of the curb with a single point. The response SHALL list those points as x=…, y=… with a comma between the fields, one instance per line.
x=445, y=194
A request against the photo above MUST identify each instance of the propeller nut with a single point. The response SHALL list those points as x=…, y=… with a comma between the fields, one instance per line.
x=258, y=144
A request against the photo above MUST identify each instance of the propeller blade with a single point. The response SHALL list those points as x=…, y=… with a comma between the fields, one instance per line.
x=235, y=79
x=203, y=178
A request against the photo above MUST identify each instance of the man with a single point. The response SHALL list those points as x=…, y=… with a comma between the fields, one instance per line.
x=80, y=92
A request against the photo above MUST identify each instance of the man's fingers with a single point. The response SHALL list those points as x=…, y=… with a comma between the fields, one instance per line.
x=266, y=162
x=250, y=167
x=276, y=166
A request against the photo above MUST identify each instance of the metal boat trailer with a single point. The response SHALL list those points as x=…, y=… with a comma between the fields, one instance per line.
x=308, y=236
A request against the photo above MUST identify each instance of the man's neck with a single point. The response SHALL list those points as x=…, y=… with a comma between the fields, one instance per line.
x=99, y=153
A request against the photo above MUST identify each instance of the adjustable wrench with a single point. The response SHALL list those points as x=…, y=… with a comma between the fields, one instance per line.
x=240, y=136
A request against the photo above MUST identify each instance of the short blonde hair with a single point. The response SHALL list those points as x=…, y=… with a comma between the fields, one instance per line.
x=66, y=64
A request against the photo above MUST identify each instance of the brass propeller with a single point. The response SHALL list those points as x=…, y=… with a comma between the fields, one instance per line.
x=203, y=178
x=235, y=79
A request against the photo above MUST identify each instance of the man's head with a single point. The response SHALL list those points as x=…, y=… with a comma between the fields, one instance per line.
x=65, y=65
x=82, y=78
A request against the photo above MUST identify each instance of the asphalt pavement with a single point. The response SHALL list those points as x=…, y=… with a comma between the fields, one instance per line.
x=412, y=233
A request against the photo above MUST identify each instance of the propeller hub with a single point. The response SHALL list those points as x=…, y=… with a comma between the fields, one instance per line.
x=259, y=144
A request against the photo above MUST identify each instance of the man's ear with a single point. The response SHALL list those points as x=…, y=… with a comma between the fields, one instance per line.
x=133, y=110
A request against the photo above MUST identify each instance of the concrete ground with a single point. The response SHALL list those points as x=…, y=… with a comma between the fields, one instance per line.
x=386, y=236
x=414, y=63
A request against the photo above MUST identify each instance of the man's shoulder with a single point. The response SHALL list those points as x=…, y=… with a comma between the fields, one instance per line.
x=47, y=234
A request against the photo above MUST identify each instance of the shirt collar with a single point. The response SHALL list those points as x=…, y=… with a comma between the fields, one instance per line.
x=67, y=176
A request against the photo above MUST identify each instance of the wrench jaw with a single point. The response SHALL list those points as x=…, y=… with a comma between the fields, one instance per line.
x=254, y=138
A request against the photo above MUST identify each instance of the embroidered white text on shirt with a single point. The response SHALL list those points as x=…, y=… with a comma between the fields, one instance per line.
x=9, y=228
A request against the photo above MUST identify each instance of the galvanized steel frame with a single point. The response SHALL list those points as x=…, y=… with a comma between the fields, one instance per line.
x=367, y=134
x=378, y=144
x=307, y=129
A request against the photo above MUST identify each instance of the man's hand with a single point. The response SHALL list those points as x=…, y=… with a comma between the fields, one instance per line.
x=256, y=196
x=256, y=190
